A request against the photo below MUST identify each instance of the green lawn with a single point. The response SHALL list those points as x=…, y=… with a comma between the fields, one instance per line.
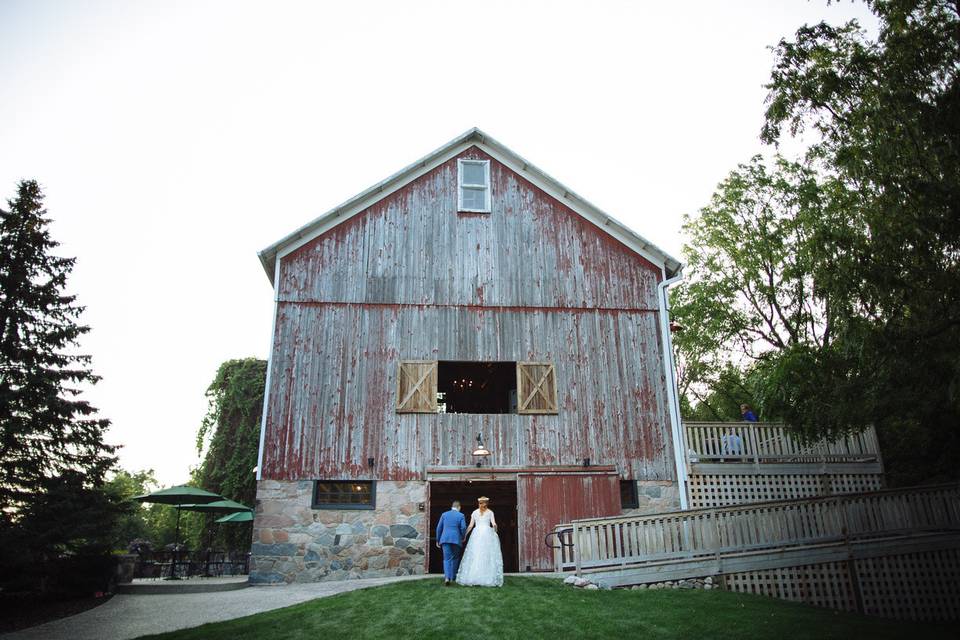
x=528, y=608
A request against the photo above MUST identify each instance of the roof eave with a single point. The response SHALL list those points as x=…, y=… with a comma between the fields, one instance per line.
x=268, y=256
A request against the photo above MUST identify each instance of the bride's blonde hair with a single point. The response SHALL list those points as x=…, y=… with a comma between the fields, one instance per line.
x=483, y=499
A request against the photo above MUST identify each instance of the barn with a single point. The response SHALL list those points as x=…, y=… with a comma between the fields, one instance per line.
x=469, y=326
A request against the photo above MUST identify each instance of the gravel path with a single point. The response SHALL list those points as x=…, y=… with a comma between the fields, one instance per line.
x=132, y=616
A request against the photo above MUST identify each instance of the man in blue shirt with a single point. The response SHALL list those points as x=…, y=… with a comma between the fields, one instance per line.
x=450, y=533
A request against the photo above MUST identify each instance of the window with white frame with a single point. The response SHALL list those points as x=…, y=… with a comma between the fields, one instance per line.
x=474, y=179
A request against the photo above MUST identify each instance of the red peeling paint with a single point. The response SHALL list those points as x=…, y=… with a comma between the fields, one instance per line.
x=410, y=278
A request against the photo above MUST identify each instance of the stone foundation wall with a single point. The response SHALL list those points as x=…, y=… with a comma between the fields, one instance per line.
x=293, y=542
x=655, y=496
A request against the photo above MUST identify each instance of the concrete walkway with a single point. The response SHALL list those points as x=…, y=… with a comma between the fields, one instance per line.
x=132, y=616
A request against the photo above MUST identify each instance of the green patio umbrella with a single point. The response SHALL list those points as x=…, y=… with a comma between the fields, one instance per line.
x=240, y=516
x=179, y=497
x=219, y=506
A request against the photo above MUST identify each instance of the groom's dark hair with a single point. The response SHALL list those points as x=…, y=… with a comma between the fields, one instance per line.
x=456, y=503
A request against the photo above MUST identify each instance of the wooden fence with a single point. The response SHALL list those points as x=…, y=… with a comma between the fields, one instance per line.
x=752, y=544
x=720, y=533
x=768, y=442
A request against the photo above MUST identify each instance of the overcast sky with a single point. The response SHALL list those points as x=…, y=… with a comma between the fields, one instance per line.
x=176, y=139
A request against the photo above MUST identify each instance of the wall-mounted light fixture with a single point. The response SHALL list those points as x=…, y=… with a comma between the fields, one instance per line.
x=586, y=462
x=370, y=462
x=481, y=451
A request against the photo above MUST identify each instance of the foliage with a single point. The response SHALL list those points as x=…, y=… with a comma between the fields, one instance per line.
x=727, y=391
x=882, y=243
x=544, y=608
x=54, y=507
x=231, y=433
x=66, y=524
x=887, y=117
x=154, y=524
x=46, y=429
x=132, y=524
x=755, y=296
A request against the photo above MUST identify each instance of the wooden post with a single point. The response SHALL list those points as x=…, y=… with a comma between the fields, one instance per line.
x=576, y=547
x=855, y=585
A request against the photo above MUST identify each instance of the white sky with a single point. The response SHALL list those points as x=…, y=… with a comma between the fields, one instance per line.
x=176, y=139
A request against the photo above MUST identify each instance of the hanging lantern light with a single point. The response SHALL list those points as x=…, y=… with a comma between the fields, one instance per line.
x=481, y=451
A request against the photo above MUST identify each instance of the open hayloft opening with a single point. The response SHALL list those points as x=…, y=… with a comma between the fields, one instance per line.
x=477, y=387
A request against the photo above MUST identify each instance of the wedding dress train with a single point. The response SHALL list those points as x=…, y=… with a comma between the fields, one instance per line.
x=482, y=563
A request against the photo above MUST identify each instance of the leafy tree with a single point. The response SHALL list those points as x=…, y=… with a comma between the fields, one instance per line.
x=859, y=319
x=755, y=295
x=231, y=433
x=46, y=429
x=726, y=393
x=886, y=115
x=138, y=522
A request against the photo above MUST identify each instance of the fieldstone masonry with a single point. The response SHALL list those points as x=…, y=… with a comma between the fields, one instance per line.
x=655, y=496
x=293, y=542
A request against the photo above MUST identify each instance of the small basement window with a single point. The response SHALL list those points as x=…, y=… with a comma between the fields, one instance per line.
x=477, y=387
x=344, y=494
x=628, y=494
x=474, y=185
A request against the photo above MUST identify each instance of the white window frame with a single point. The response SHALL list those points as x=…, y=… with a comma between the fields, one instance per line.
x=474, y=187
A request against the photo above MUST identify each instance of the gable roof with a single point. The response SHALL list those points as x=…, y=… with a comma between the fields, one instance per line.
x=473, y=137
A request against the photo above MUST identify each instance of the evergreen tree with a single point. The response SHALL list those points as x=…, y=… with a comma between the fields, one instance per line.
x=46, y=429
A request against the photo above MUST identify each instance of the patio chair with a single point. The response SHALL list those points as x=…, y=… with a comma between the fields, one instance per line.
x=162, y=564
x=214, y=563
x=146, y=565
x=196, y=563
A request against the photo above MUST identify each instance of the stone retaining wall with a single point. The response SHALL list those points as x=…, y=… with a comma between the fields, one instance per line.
x=293, y=542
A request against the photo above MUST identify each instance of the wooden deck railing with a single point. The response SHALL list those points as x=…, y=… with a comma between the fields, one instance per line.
x=772, y=442
x=626, y=541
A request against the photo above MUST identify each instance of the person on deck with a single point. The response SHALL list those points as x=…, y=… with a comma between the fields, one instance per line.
x=747, y=413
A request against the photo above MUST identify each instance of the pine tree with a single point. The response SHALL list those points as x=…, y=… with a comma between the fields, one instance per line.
x=46, y=429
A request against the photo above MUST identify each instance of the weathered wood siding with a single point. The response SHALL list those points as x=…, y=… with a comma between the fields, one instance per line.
x=545, y=500
x=413, y=247
x=411, y=279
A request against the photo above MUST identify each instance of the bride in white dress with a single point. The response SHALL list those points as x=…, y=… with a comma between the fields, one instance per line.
x=482, y=563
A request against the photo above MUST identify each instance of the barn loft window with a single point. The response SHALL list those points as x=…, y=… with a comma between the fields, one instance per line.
x=344, y=494
x=474, y=185
x=477, y=387
x=448, y=386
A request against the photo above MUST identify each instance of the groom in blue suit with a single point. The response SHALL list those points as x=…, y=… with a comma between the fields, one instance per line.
x=450, y=533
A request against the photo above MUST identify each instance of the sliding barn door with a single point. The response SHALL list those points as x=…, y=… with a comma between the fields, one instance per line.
x=546, y=500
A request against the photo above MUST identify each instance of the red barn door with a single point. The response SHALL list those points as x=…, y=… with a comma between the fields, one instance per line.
x=546, y=500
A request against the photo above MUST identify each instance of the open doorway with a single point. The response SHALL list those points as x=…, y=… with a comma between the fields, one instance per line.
x=503, y=502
